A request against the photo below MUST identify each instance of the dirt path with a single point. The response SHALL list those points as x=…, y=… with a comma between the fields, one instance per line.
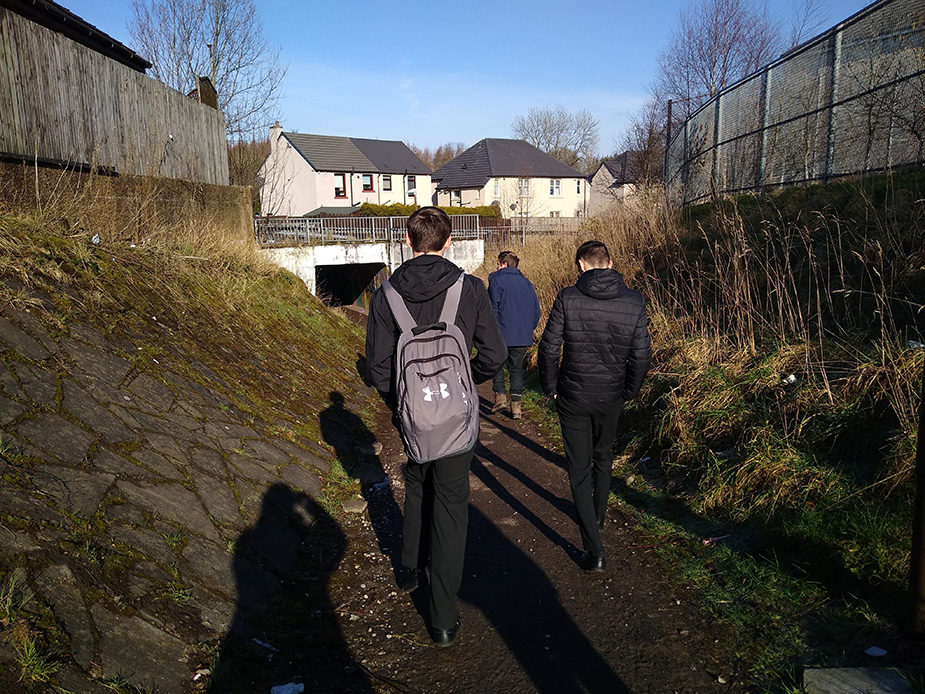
x=532, y=620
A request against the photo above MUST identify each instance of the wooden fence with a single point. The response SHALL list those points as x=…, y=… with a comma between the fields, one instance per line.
x=64, y=103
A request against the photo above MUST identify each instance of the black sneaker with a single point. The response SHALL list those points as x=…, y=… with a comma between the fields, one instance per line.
x=445, y=637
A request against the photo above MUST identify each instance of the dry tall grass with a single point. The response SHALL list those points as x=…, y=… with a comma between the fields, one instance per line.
x=760, y=289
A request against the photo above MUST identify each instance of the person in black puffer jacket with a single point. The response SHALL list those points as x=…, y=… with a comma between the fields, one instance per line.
x=599, y=328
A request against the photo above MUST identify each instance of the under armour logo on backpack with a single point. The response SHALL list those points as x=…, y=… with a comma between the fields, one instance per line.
x=429, y=393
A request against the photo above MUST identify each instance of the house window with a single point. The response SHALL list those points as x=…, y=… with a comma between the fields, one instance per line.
x=386, y=182
x=523, y=187
x=579, y=186
x=340, y=185
x=412, y=185
x=367, y=183
x=555, y=187
x=555, y=214
x=497, y=188
x=457, y=198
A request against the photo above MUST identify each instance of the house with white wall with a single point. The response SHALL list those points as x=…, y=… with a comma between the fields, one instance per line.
x=307, y=173
x=514, y=175
x=614, y=181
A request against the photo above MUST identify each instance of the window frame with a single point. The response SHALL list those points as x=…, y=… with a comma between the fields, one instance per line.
x=372, y=185
x=555, y=187
x=387, y=182
x=523, y=187
x=343, y=185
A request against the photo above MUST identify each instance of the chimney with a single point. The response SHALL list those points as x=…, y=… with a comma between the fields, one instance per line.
x=275, y=131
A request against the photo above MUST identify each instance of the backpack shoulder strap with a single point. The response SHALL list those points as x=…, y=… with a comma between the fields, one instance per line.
x=399, y=310
x=451, y=303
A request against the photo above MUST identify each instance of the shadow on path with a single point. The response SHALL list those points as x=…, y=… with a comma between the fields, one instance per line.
x=353, y=443
x=534, y=447
x=517, y=506
x=523, y=606
x=284, y=628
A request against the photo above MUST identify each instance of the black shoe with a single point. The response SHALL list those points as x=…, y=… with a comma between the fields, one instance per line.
x=445, y=637
x=410, y=580
x=589, y=562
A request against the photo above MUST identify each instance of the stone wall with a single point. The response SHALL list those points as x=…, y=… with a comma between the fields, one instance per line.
x=129, y=208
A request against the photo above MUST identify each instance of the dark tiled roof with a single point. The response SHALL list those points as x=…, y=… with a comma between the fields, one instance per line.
x=331, y=211
x=391, y=156
x=57, y=18
x=331, y=153
x=497, y=158
x=621, y=168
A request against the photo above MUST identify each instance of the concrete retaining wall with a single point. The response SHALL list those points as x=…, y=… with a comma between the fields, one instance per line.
x=302, y=260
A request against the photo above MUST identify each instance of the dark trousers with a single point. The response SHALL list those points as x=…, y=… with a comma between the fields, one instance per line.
x=436, y=521
x=588, y=433
x=515, y=366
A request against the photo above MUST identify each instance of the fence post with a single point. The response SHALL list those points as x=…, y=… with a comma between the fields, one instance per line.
x=835, y=62
x=917, y=558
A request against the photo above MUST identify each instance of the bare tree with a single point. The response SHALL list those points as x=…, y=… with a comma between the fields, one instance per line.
x=219, y=39
x=244, y=160
x=644, y=141
x=716, y=43
x=806, y=20
x=443, y=154
x=569, y=137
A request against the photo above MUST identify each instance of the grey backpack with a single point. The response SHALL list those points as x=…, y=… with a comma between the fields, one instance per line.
x=437, y=402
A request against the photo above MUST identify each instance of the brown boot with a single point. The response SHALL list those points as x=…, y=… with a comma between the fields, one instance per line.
x=515, y=409
x=501, y=402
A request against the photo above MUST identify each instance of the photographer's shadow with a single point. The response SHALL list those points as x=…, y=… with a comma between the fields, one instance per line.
x=284, y=627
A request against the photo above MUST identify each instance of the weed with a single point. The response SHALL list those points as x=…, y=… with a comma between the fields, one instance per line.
x=176, y=540
x=176, y=593
x=35, y=667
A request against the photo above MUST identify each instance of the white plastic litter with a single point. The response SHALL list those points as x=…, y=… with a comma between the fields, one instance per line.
x=264, y=644
x=95, y=239
x=914, y=344
x=792, y=378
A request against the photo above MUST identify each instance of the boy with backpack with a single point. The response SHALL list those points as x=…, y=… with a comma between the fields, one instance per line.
x=419, y=336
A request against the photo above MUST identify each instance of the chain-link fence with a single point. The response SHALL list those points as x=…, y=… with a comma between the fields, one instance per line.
x=852, y=100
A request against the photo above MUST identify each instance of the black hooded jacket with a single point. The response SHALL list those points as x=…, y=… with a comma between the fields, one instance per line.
x=422, y=283
x=602, y=325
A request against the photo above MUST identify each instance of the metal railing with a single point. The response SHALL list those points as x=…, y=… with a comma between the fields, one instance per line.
x=275, y=231
x=850, y=101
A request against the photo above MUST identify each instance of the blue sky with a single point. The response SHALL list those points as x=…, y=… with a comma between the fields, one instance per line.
x=429, y=72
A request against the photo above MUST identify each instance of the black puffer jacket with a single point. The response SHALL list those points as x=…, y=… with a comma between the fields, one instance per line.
x=602, y=325
x=422, y=282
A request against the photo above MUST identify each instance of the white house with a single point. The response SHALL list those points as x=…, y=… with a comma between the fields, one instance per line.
x=305, y=174
x=613, y=181
x=513, y=174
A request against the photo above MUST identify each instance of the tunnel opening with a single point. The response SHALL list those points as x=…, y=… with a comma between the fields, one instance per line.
x=349, y=285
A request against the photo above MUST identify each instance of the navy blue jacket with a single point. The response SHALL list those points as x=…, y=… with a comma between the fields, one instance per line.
x=517, y=309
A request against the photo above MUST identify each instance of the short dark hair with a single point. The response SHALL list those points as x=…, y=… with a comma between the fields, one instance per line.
x=508, y=258
x=594, y=253
x=428, y=229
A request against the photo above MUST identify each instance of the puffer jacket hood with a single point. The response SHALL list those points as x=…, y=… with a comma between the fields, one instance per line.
x=601, y=283
x=421, y=279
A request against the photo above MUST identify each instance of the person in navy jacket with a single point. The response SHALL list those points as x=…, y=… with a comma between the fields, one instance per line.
x=517, y=311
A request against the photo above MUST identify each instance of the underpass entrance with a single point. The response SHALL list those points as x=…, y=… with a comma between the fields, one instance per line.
x=349, y=285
